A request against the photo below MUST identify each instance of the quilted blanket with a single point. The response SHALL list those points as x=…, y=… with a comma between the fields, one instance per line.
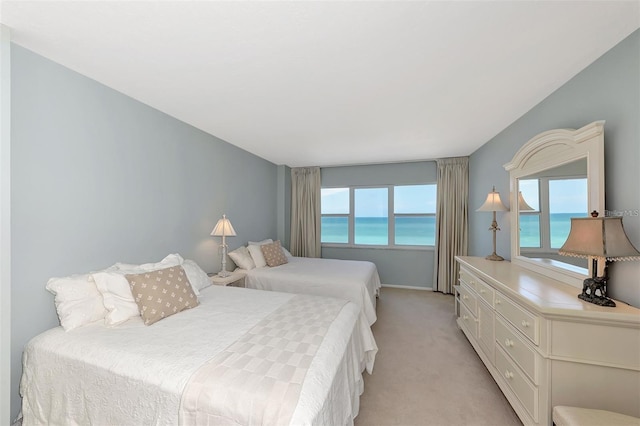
x=257, y=380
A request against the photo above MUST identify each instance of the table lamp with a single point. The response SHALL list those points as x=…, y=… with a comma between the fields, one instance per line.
x=493, y=204
x=601, y=240
x=224, y=229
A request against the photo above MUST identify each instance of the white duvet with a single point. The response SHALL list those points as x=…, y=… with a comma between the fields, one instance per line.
x=135, y=374
x=353, y=280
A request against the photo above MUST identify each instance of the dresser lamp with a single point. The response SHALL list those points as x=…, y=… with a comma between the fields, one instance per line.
x=493, y=204
x=224, y=229
x=601, y=240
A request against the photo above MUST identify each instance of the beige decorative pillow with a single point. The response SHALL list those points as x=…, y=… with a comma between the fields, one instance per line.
x=162, y=293
x=273, y=254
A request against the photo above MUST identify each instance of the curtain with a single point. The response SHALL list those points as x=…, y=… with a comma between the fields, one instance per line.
x=451, y=220
x=305, y=211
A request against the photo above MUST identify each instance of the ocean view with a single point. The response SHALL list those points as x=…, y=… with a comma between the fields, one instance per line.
x=560, y=225
x=421, y=230
x=374, y=230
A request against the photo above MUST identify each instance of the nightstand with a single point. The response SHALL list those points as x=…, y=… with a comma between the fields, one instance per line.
x=235, y=279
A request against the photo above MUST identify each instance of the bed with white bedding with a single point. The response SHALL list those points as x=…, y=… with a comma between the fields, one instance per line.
x=356, y=281
x=240, y=357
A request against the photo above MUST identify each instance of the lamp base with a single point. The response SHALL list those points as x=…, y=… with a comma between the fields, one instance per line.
x=495, y=257
x=590, y=288
x=224, y=274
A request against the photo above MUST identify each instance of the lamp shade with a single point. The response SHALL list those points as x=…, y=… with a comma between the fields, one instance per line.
x=522, y=204
x=223, y=228
x=492, y=203
x=599, y=237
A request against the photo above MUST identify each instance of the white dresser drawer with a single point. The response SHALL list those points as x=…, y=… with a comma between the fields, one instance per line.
x=518, y=349
x=468, y=320
x=486, y=292
x=524, y=390
x=486, y=317
x=468, y=298
x=522, y=320
x=468, y=278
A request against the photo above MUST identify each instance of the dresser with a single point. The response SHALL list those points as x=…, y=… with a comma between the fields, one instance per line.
x=544, y=346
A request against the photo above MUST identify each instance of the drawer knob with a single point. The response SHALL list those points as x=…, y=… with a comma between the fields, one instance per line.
x=498, y=301
x=483, y=291
x=525, y=323
x=464, y=317
x=508, y=343
x=508, y=374
x=465, y=297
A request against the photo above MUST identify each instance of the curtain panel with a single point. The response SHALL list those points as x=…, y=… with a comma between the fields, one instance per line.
x=452, y=225
x=305, y=211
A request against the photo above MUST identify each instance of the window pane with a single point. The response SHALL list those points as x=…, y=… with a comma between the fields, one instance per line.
x=530, y=192
x=529, y=230
x=371, y=216
x=567, y=199
x=409, y=199
x=334, y=200
x=415, y=230
x=334, y=229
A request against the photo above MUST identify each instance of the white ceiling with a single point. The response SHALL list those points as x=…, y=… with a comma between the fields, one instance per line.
x=330, y=83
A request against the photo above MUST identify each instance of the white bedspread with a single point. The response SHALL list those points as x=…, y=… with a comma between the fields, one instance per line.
x=356, y=281
x=133, y=374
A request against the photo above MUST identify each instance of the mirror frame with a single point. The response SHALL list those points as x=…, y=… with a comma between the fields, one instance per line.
x=547, y=150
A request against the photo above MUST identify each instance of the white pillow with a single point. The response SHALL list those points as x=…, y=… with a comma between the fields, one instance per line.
x=257, y=256
x=242, y=258
x=196, y=276
x=117, y=296
x=171, y=260
x=286, y=252
x=78, y=301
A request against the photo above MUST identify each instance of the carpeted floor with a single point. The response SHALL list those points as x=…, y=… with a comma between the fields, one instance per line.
x=426, y=372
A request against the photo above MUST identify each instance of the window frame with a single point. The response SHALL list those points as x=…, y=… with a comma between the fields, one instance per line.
x=544, y=214
x=391, y=219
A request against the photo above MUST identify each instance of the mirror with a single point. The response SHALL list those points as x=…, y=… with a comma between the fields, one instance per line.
x=556, y=175
x=546, y=203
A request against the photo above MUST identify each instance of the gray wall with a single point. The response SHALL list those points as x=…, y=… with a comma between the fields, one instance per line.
x=98, y=177
x=609, y=89
x=403, y=267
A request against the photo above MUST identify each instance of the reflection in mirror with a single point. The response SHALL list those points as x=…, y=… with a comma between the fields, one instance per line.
x=546, y=202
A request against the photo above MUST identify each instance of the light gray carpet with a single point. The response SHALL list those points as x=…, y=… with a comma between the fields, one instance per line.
x=426, y=371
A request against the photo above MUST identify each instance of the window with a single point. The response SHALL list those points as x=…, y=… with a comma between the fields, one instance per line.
x=415, y=215
x=530, y=219
x=402, y=215
x=554, y=202
x=335, y=215
x=567, y=199
x=371, y=216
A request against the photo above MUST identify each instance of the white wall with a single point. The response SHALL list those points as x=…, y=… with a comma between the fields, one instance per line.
x=97, y=177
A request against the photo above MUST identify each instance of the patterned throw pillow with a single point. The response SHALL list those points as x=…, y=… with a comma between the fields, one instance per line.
x=273, y=254
x=162, y=293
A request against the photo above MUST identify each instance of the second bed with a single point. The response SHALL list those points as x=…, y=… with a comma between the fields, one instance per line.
x=356, y=281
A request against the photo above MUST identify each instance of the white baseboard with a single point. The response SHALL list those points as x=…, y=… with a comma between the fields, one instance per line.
x=408, y=287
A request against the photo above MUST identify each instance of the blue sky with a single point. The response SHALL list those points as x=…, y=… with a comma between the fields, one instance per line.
x=565, y=195
x=372, y=202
